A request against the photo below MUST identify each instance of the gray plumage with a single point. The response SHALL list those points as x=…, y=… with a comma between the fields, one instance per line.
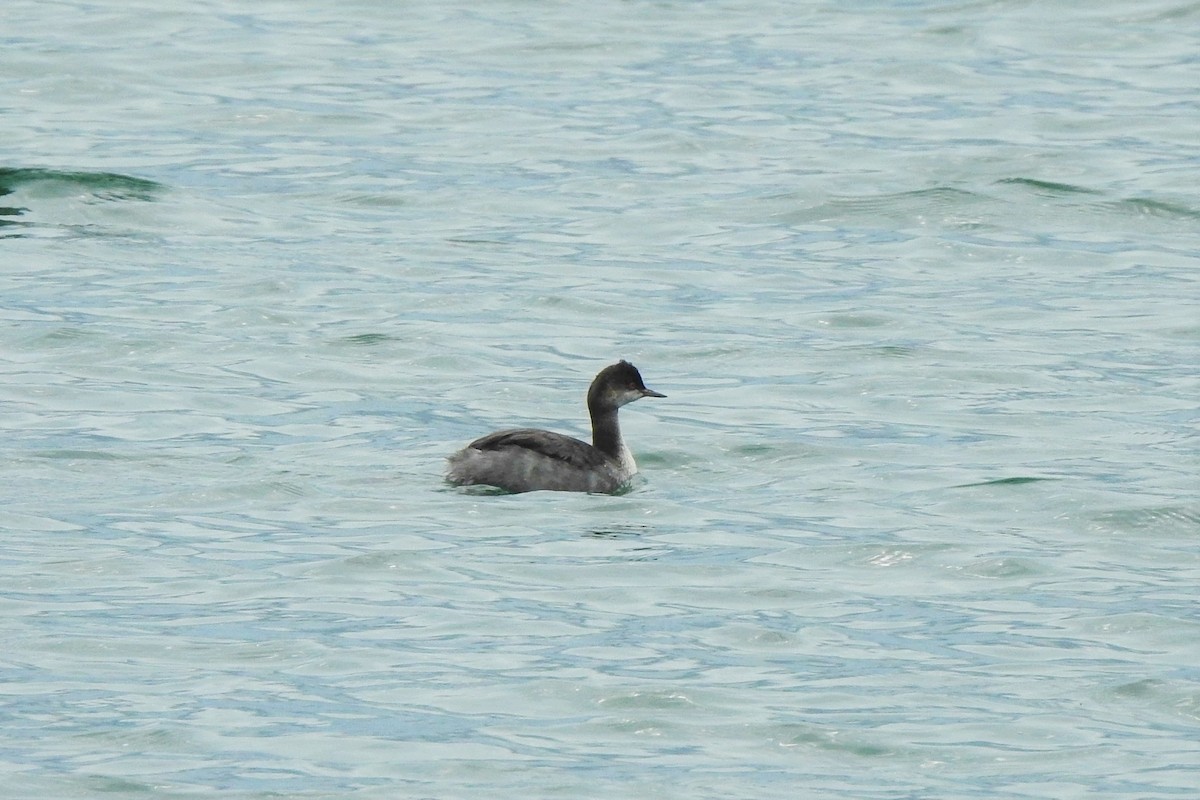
x=528, y=459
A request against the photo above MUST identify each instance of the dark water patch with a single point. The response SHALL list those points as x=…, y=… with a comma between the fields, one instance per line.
x=1014, y=481
x=1048, y=188
x=1139, y=689
x=627, y=531
x=1125, y=207
x=54, y=199
x=102, y=185
x=384, y=202
x=367, y=339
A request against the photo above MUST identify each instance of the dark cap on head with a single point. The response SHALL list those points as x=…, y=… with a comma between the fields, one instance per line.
x=621, y=377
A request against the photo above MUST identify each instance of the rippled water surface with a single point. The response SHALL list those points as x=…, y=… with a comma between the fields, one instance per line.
x=919, y=515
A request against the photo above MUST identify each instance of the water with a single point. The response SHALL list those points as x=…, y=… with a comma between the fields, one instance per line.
x=918, y=518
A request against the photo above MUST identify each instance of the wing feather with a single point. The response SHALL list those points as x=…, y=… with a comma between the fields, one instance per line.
x=567, y=449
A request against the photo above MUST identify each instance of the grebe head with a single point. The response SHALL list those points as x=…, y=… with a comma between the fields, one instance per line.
x=616, y=386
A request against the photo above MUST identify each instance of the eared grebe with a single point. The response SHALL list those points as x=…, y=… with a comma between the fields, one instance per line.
x=528, y=459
